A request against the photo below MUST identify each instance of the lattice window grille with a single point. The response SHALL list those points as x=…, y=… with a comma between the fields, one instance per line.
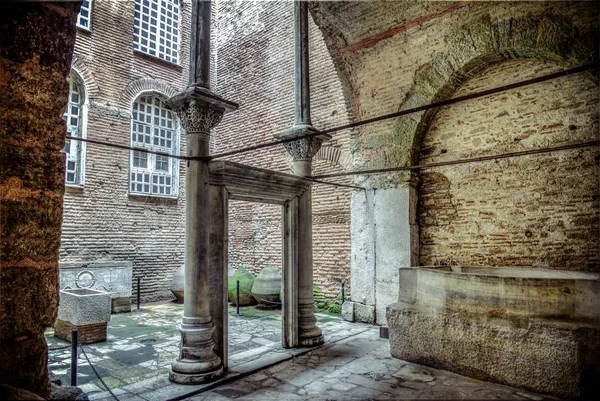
x=156, y=28
x=153, y=127
x=73, y=117
x=85, y=13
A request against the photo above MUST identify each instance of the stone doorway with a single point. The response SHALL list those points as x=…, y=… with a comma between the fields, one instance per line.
x=254, y=243
x=233, y=181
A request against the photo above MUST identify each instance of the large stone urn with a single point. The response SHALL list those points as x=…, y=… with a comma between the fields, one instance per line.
x=266, y=288
x=177, y=283
x=246, y=280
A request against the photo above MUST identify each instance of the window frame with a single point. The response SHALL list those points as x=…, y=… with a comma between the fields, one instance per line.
x=89, y=17
x=151, y=159
x=138, y=28
x=79, y=155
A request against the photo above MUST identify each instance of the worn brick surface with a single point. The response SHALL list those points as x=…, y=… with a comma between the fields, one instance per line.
x=252, y=64
x=102, y=220
x=536, y=211
x=539, y=210
x=255, y=68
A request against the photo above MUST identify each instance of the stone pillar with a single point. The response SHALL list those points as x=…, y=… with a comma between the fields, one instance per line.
x=219, y=203
x=199, y=110
x=384, y=238
x=302, y=152
x=37, y=46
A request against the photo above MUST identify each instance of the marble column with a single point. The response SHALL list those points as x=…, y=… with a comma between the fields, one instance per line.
x=302, y=152
x=199, y=110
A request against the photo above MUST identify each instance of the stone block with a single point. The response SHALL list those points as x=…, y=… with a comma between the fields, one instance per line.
x=86, y=334
x=85, y=310
x=114, y=277
x=447, y=319
x=120, y=305
x=364, y=313
x=362, y=265
x=348, y=311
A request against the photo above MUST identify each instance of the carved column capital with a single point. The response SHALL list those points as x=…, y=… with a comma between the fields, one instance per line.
x=303, y=149
x=198, y=117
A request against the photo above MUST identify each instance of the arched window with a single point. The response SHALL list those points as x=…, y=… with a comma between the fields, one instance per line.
x=155, y=128
x=74, y=117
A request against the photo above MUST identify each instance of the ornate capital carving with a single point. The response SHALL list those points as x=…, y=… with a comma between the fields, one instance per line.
x=303, y=149
x=198, y=117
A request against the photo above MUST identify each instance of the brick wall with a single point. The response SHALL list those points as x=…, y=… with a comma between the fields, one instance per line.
x=255, y=68
x=102, y=220
x=398, y=55
x=539, y=210
x=252, y=63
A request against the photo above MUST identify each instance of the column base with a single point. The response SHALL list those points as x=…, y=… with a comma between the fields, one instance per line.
x=311, y=341
x=197, y=362
x=195, y=378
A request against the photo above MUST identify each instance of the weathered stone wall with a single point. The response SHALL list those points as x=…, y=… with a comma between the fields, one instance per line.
x=37, y=44
x=255, y=67
x=539, y=210
x=102, y=221
x=398, y=55
x=405, y=54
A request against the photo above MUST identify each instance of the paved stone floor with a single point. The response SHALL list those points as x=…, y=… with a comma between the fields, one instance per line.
x=354, y=364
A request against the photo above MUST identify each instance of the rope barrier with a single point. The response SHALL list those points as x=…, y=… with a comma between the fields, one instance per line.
x=97, y=374
x=583, y=68
x=279, y=303
x=335, y=297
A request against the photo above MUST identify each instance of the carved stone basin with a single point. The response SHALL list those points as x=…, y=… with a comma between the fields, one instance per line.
x=86, y=310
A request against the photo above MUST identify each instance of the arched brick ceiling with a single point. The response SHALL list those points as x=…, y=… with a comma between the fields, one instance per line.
x=355, y=23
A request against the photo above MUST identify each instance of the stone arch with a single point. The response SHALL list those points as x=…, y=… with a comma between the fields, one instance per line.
x=139, y=86
x=87, y=77
x=477, y=45
x=331, y=155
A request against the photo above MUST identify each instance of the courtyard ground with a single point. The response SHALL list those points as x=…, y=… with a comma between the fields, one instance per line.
x=354, y=363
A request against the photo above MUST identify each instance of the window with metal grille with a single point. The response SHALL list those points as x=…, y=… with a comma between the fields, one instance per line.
x=84, y=17
x=153, y=127
x=156, y=28
x=74, y=119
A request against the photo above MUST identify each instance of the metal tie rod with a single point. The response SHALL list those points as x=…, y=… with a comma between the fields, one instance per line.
x=401, y=113
x=464, y=161
x=447, y=102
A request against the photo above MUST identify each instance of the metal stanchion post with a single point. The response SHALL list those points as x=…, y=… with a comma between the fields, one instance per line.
x=237, y=298
x=138, y=292
x=343, y=292
x=74, y=355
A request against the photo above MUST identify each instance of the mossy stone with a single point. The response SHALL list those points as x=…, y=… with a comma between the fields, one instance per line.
x=246, y=280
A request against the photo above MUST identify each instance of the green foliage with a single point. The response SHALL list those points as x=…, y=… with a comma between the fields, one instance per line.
x=327, y=304
x=246, y=282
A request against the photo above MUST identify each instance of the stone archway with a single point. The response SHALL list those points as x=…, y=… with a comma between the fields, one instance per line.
x=477, y=45
x=386, y=234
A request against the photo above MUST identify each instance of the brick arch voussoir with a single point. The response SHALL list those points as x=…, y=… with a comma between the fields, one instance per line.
x=135, y=88
x=476, y=46
x=92, y=91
